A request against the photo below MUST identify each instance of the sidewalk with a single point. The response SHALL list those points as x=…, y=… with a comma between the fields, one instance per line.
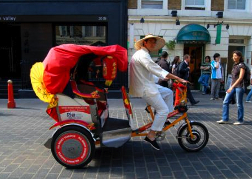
x=24, y=130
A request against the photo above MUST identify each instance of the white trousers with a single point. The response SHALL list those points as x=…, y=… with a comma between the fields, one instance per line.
x=163, y=104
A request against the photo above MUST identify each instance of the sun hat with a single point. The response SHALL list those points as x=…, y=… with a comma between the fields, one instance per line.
x=160, y=42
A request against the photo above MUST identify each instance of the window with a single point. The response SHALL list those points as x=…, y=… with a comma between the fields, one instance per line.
x=80, y=34
x=152, y=4
x=236, y=41
x=236, y=4
x=195, y=4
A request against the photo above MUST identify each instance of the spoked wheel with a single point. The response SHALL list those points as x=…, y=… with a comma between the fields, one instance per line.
x=199, y=140
x=73, y=147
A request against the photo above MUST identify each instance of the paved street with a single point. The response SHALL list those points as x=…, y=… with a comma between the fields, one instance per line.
x=24, y=130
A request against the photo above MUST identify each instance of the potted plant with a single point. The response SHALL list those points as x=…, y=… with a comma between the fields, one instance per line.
x=170, y=44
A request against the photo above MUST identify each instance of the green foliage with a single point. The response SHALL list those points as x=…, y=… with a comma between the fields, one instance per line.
x=170, y=44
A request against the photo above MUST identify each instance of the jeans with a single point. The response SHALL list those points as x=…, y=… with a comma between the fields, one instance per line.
x=239, y=99
x=203, y=80
x=249, y=96
x=215, y=88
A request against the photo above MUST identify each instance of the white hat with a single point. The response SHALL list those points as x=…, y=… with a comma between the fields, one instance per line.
x=160, y=42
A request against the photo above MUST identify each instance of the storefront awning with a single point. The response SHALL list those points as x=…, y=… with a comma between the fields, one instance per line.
x=193, y=33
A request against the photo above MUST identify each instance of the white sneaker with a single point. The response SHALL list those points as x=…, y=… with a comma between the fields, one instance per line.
x=238, y=123
x=222, y=122
x=248, y=101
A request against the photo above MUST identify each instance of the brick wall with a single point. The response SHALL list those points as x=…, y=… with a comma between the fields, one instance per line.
x=132, y=4
x=217, y=5
x=174, y=4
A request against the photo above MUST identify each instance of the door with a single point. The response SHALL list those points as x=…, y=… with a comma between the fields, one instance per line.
x=196, y=54
x=10, y=51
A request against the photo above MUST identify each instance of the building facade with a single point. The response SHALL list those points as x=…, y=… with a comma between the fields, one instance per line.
x=198, y=28
x=28, y=29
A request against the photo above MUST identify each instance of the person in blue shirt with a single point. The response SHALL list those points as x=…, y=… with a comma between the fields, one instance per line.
x=216, y=76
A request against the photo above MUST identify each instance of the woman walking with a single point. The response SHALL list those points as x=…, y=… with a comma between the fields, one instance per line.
x=236, y=88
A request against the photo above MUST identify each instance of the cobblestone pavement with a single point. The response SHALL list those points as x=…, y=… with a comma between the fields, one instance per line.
x=24, y=130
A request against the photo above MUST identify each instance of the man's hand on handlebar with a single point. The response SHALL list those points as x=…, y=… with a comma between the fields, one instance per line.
x=182, y=81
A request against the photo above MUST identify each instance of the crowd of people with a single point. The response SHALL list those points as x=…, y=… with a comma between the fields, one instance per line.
x=150, y=80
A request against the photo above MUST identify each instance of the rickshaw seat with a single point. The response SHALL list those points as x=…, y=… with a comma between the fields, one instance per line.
x=76, y=91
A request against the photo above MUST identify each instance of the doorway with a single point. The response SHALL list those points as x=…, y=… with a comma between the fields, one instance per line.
x=196, y=54
x=10, y=50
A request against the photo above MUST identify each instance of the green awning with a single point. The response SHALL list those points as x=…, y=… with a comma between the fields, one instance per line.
x=193, y=33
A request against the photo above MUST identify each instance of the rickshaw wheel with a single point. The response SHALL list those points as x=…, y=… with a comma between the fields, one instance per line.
x=199, y=141
x=73, y=147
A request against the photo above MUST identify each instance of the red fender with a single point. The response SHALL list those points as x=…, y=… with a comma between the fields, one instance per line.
x=70, y=121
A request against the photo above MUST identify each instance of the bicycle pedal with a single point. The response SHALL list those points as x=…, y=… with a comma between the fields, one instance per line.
x=160, y=136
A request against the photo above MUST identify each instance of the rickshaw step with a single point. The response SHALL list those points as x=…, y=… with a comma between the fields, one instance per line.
x=116, y=138
x=115, y=124
x=115, y=132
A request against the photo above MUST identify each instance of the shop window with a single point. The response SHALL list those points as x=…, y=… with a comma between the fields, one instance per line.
x=80, y=34
x=236, y=41
x=100, y=31
x=195, y=4
x=152, y=4
x=236, y=4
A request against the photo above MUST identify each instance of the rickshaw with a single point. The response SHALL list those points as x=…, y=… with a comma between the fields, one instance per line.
x=69, y=79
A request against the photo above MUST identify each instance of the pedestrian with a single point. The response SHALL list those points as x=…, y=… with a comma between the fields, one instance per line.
x=165, y=65
x=250, y=92
x=142, y=84
x=176, y=61
x=216, y=76
x=183, y=72
x=206, y=71
x=236, y=88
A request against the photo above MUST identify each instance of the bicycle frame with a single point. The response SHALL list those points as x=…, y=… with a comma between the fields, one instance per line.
x=180, y=93
x=140, y=131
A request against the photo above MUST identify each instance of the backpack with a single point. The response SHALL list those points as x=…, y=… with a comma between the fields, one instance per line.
x=246, y=78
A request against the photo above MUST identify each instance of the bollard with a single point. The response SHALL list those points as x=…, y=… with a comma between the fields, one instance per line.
x=11, y=102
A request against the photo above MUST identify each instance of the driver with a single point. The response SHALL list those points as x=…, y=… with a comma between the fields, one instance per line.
x=142, y=82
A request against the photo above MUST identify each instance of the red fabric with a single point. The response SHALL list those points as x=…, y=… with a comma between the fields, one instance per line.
x=53, y=113
x=61, y=59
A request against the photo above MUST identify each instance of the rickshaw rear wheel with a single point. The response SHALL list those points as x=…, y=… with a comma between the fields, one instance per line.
x=73, y=146
x=199, y=140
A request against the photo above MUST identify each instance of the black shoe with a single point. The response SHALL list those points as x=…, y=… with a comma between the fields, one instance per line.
x=153, y=143
x=196, y=102
x=167, y=122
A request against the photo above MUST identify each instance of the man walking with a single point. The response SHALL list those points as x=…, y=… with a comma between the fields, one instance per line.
x=183, y=72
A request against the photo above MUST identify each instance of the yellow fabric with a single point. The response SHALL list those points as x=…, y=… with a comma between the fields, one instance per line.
x=36, y=75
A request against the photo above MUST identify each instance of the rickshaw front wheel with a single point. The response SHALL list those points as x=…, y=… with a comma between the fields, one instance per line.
x=199, y=140
x=73, y=146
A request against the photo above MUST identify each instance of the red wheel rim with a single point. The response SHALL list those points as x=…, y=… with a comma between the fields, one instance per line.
x=72, y=148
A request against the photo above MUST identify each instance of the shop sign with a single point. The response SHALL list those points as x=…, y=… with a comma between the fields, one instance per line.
x=7, y=18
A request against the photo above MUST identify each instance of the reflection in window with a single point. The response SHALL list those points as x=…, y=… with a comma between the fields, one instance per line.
x=152, y=4
x=195, y=4
x=236, y=4
x=83, y=35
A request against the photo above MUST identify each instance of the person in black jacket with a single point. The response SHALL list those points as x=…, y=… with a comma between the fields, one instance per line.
x=165, y=65
x=183, y=72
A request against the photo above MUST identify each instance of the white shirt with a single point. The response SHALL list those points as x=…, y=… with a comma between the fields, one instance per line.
x=142, y=69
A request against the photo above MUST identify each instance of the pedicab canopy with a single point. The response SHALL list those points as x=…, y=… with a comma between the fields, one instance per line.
x=61, y=59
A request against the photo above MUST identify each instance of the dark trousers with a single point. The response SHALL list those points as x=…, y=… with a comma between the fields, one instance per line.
x=190, y=96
